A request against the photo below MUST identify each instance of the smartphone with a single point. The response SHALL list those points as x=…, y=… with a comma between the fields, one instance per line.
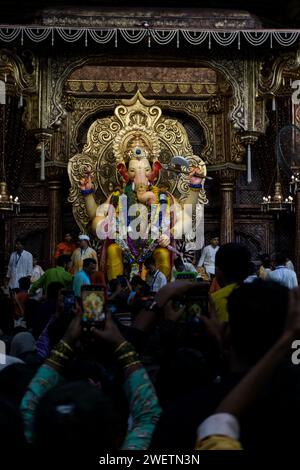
x=93, y=299
x=69, y=300
x=196, y=301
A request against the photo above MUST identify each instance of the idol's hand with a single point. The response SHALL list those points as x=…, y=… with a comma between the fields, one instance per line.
x=196, y=175
x=86, y=182
x=164, y=240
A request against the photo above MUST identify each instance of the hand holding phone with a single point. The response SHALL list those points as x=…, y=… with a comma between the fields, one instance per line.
x=93, y=298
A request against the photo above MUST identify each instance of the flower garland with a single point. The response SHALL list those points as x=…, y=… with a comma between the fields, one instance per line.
x=137, y=251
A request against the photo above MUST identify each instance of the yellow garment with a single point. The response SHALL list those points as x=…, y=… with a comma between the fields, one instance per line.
x=162, y=261
x=79, y=255
x=219, y=301
x=114, y=263
x=218, y=443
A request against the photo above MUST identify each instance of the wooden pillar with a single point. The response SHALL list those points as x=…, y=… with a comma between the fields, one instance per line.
x=54, y=176
x=227, y=180
x=297, y=233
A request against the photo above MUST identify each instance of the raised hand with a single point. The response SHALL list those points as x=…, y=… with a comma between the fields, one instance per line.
x=86, y=182
x=74, y=329
x=196, y=175
x=164, y=240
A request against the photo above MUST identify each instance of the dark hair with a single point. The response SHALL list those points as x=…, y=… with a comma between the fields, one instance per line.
x=233, y=260
x=280, y=258
x=149, y=262
x=88, y=261
x=265, y=260
x=24, y=283
x=137, y=281
x=19, y=240
x=77, y=415
x=14, y=380
x=179, y=265
x=63, y=259
x=257, y=314
x=53, y=290
x=113, y=284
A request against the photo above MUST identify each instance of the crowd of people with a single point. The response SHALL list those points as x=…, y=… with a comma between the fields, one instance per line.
x=199, y=362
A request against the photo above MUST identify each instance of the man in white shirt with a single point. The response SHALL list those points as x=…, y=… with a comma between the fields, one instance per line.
x=283, y=275
x=20, y=265
x=155, y=278
x=208, y=256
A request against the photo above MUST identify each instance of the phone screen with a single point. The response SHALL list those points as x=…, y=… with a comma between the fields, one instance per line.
x=196, y=307
x=93, y=302
x=196, y=301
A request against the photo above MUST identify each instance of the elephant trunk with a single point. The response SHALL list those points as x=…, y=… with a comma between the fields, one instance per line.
x=141, y=186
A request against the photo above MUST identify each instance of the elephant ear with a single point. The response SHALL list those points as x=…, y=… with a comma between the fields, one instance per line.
x=153, y=175
x=122, y=170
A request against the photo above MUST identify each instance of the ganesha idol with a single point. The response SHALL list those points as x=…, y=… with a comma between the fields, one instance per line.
x=140, y=217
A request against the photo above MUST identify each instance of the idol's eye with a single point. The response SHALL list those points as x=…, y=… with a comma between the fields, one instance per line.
x=137, y=151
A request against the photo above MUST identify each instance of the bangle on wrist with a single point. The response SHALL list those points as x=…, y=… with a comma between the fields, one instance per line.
x=60, y=355
x=86, y=192
x=121, y=346
x=66, y=345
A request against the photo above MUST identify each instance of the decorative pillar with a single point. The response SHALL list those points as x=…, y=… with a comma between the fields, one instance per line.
x=54, y=175
x=227, y=179
x=297, y=233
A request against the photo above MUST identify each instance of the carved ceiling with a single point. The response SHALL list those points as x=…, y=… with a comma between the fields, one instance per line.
x=214, y=11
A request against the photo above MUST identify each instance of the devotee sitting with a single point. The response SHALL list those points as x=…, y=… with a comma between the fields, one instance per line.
x=182, y=266
x=282, y=274
x=58, y=274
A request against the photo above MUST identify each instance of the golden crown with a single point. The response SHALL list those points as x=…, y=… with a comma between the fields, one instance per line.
x=137, y=149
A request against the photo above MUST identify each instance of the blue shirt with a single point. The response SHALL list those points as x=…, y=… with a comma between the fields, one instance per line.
x=284, y=276
x=81, y=278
